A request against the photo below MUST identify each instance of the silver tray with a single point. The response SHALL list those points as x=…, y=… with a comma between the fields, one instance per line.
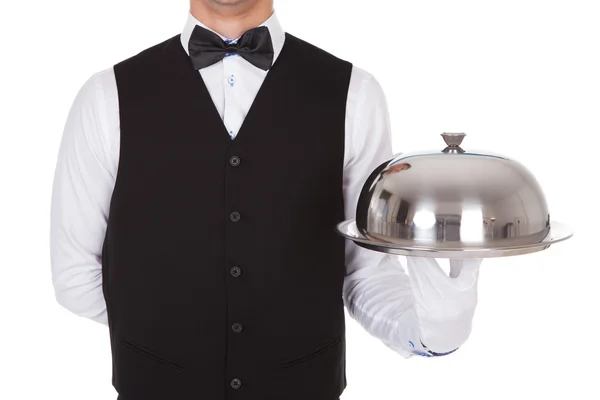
x=558, y=232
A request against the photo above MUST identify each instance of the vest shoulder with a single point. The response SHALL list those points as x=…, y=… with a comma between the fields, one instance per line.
x=151, y=53
x=314, y=52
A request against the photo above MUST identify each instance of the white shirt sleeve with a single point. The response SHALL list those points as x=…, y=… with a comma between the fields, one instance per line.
x=83, y=184
x=377, y=292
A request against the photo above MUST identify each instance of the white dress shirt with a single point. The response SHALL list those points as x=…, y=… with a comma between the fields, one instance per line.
x=377, y=292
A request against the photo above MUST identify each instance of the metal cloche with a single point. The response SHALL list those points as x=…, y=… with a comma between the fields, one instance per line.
x=453, y=204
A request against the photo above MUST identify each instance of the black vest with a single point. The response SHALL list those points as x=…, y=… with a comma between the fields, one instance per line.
x=222, y=270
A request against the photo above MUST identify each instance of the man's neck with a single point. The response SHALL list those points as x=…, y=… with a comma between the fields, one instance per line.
x=231, y=20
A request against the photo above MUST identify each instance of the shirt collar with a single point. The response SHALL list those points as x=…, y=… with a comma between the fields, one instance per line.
x=272, y=23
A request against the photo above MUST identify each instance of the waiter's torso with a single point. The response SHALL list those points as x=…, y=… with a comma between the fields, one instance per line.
x=222, y=270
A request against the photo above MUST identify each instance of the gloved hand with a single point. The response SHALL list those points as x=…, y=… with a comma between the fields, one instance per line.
x=444, y=304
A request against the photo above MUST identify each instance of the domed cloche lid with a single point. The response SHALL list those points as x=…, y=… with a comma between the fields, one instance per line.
x=453, y=204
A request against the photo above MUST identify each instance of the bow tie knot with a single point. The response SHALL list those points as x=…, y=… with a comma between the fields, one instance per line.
x=231, y=48
x=207, y=48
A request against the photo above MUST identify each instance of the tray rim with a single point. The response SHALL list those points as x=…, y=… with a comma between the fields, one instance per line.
x=558, y=233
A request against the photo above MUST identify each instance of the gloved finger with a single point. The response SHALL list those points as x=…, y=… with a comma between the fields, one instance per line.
x=469, y=272
x=424, y=290
x=456, y=265
x=426, y=274
x=421, y=266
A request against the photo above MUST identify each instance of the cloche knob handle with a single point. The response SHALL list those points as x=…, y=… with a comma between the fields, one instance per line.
x=453, y=140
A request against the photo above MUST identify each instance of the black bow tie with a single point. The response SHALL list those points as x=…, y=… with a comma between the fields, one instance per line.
x=207, y=48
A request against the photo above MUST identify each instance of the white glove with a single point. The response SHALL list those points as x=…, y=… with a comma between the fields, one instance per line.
x=444, y=304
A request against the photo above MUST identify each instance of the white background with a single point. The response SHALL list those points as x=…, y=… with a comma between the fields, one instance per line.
x=519, y=77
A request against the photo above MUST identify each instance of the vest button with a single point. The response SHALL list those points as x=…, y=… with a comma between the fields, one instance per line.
x=235, y=271
x=234, y=216
x=236, y=383
x=236, y=327
x=234, y=161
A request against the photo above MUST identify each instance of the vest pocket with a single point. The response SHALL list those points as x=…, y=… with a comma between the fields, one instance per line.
x=314, y=354
x=150, y=354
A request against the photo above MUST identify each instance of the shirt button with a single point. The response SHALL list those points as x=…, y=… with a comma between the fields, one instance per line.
x=234, y=161
x=236, y=327
x=231, y=79
x=235, y=271
x=236, y=383
x=234, y=216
